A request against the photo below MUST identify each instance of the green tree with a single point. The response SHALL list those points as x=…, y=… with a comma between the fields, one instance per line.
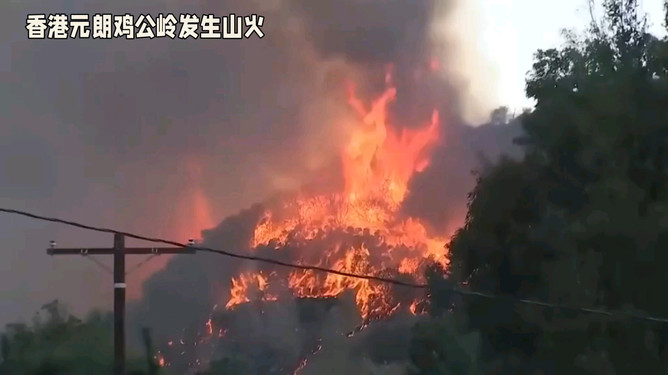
x=443, y=346
x=60, y=344
x=583, y=218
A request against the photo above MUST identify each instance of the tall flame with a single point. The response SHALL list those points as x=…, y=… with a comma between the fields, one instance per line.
x=378, y=163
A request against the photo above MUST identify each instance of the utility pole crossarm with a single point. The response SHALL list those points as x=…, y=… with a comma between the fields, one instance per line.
x=119, y=251
x=127, y=251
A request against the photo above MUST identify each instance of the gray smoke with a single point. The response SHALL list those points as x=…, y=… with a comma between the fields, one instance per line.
x=354, y=40
x=103, y=132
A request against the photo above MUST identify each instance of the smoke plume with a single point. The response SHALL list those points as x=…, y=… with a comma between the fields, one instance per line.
x=168, y=136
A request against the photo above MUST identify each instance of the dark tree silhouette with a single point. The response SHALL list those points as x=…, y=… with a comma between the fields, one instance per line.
x=583, y=218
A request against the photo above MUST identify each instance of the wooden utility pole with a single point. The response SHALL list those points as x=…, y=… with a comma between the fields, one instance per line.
x=119, y=251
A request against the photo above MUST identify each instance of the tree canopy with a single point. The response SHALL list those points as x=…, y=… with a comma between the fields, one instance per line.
x=57, y=343
x=582, y=219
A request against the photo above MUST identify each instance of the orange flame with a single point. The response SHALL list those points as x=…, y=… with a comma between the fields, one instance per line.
x=160, y=360
x=242, y=285
x=209, y=327
x=378, y=163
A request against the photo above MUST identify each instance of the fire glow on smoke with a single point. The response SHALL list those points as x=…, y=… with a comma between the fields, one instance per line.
x=358, y=230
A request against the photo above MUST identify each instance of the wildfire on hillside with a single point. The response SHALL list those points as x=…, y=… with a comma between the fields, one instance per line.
x=359, y=229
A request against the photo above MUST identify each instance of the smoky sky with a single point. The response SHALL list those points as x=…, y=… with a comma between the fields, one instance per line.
x=367, y=32
x=107, y=132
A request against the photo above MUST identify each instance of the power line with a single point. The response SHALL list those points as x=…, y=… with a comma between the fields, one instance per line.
x=454, y=290
x=119, y=252
x=216, y=251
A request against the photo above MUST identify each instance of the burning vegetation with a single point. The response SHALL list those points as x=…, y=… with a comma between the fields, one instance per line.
x=358, y=230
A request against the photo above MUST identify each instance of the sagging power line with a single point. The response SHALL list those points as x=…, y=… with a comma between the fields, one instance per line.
x=119, y=252
x=454, y=290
